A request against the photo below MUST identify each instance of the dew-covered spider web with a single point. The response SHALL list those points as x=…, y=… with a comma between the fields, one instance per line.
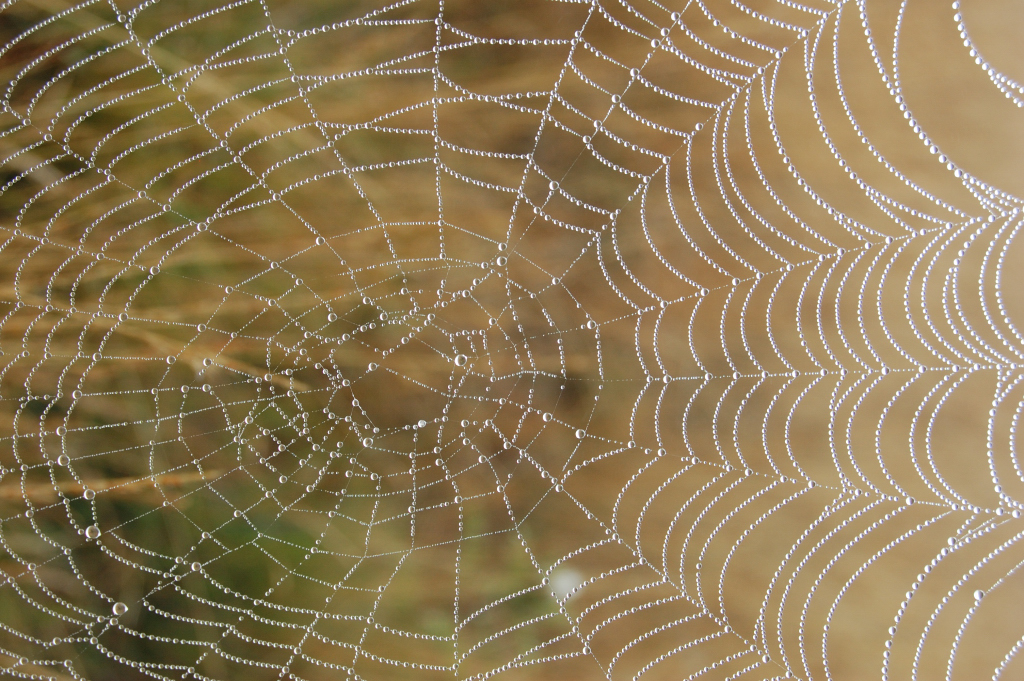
x=539, y=339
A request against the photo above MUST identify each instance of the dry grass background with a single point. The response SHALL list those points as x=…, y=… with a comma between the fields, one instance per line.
x=162, y=462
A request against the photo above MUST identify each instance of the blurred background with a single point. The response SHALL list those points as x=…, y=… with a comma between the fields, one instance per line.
x=533, y=339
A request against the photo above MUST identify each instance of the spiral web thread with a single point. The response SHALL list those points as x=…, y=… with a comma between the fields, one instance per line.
x=473, y=340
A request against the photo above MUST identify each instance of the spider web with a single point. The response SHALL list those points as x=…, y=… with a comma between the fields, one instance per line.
x=521, y=340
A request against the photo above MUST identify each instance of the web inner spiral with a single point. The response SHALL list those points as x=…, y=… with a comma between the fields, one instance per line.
x=532, y=340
